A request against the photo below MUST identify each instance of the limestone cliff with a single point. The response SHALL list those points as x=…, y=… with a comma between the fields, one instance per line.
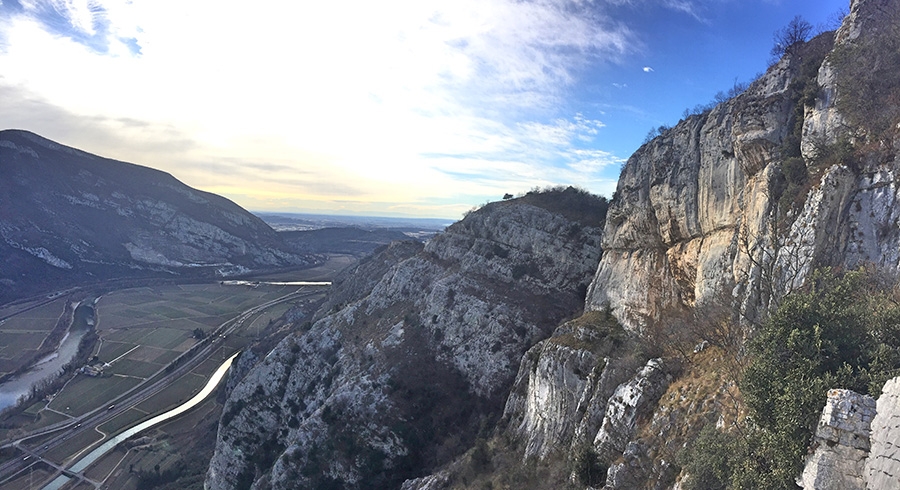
x=856, y=441
x=416, y=353
x=882, y=466
x=841, y=444
x=742, y=201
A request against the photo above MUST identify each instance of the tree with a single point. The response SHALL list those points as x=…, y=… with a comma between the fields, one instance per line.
x=796, y=31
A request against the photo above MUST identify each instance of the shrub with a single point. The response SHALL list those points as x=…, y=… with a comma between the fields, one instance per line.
x=711, y=459
x=797, y=31
x=841, y=331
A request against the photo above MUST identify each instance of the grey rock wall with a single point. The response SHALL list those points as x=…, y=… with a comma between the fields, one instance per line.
x=882, y=468
x=697, y=219
x=841, y=443
x=857, y=442
x=418, y=350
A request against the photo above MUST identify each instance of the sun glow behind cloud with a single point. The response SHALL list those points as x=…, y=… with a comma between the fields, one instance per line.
x=417, y=107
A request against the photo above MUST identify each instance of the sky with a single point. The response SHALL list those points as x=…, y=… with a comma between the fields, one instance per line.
x=419, y=108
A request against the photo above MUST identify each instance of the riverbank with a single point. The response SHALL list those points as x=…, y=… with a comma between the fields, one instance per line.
x=80, y=328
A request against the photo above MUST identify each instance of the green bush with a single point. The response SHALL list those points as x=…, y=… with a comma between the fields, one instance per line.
x=842, y=331
x=712, y=459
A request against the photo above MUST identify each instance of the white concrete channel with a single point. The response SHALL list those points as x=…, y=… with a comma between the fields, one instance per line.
x=94, y=455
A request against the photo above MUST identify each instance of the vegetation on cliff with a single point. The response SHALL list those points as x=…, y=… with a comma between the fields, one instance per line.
x=840, y=330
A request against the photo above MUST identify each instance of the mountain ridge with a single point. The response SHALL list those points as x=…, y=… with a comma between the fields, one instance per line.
x=68, y=216
x=713, y=224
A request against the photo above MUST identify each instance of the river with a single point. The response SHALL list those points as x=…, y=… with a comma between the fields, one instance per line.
x=47, y=368
x=94, y=455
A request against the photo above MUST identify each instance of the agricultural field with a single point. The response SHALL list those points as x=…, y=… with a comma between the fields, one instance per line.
x=140, y=335
x=22, y=334
x=36, y=473
x=142, y=330
x=164, y=447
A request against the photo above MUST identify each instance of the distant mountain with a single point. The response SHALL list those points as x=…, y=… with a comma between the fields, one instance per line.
x=282, y=221
x=67, y=216
x=348, y=240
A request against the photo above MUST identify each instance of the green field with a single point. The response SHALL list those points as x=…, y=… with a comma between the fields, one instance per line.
x=84, y=393
x=123, y=420
x=141, y=331
x=30, y=478
x=22, y=334
x=179, y=392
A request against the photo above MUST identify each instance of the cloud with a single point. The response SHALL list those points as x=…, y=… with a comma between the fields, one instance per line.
x=561, y=131
x=396, y=99
x=647, y=69
x=688, y=7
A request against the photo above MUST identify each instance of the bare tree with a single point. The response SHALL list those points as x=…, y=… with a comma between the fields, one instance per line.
x=796, y=31
x=777, y=264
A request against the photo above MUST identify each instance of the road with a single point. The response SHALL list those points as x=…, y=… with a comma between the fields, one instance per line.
x=90, y=421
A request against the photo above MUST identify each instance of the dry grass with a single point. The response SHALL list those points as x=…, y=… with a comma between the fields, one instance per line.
x=705, y=392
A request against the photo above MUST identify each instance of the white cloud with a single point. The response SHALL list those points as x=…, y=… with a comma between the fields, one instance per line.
x=364, y=93
x=562, y=132
x=647, y=69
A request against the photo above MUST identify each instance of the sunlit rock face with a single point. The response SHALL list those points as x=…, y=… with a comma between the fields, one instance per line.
x=684, y=201
x=699, y=216
x=856, y=441
x=415, y=353
x=883, y=464
x=564, y=384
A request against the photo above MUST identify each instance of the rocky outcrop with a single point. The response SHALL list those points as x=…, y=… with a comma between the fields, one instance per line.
x=416, y=351
x=671, y=242
x=882, y=468
x=560, y=396
x=68, y=216
x=841, y=443
x=856, y=441
x=630, y=400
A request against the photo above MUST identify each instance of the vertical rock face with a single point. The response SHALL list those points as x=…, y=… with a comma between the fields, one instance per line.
x=588, y=387
x=671, y=241
x=841, y=443
x=882, y=468
x=857, y=442
x=418, y=350
x=701, y=212
x=636, y=397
